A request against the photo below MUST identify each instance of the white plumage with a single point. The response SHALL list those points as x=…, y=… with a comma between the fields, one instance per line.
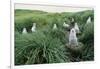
x=76, y=28
x=54, y=26
x=65, y=25
x=24, y=31
x=72, y=20
x=72, y=38
x=33, y=29
x=89, y=20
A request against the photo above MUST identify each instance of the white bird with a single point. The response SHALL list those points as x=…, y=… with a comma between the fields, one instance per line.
x=72, y=38
x=65, y=25
x=72, y=20
x=54, y=26
x=24, y=31
x=33, y=29
x=76, y=28
x=88, y=20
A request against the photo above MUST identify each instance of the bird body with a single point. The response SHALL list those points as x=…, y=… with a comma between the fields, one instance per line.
x=72, y=38
x=54, y=26
x=76, y=28
x=72, y=20
x=89, y=20
x=65, y=25
x=24, y=31
x=33, y=29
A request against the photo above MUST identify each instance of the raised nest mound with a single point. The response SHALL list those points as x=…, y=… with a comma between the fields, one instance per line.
x=74, y=48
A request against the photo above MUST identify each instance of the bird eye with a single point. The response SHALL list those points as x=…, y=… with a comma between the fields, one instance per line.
x=72, y=30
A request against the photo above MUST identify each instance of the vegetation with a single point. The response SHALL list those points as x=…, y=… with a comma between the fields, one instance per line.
x=47, y=45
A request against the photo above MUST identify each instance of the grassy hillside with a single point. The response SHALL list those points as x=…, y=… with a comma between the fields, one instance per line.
x=47, y=45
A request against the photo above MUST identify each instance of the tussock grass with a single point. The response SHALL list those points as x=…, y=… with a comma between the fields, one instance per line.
x=47, y=45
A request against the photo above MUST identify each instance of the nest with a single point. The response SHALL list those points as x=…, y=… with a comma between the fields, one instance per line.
x=73, y=48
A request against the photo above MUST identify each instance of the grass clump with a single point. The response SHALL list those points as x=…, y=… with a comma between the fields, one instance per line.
x=37, y=48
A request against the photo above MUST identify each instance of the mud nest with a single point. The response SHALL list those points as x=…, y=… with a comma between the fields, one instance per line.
x=73, y=48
